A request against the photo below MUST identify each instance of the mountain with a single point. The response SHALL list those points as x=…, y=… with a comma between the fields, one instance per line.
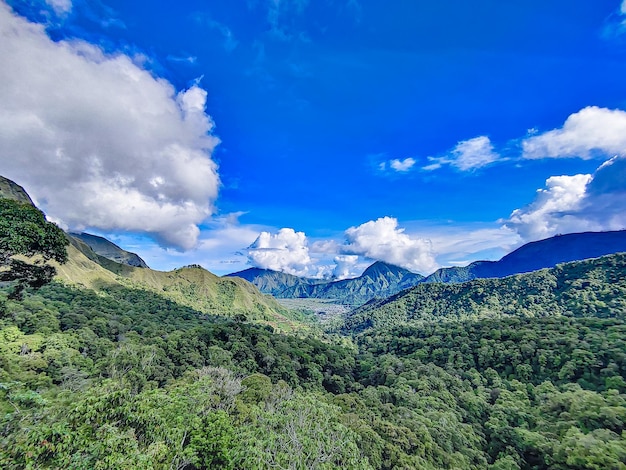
x=11, y=190
x=191, y=286
x=377, y=281
x=273, y=282
x=594, y=287
x=110, y=250
x=538, y=255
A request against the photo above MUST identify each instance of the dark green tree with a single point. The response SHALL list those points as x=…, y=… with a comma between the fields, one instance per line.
x=27, y=242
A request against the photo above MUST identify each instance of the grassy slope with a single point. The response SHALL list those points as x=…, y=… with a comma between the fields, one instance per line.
x=193, y=287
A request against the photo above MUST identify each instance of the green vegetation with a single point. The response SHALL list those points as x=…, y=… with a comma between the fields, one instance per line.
x=191, y=286
x=140, y=369
x=25, y=233
x=592, y=288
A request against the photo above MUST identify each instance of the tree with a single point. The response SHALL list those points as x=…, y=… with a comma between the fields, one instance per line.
x=27, y=242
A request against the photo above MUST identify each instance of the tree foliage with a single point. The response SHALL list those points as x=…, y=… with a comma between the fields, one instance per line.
x=25, y=232
x=125, y=378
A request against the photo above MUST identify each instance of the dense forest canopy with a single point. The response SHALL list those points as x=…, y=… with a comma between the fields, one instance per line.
x=526, y=372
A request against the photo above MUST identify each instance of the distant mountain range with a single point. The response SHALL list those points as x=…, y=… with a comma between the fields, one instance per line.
x=382, y=280
x=541, y=254
x=274, y=282
x=378, y=280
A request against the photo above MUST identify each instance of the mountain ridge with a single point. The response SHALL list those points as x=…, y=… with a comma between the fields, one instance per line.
x=592, y=287
x=540, y=254
x=379, y=280
x=11, y=190
x=192, y=286
x=110, y=250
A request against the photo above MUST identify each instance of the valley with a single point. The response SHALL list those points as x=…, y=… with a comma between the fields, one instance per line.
x=312, y=235
x=112, y=366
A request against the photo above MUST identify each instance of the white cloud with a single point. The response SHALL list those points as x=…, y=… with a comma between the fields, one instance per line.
x=467, y=155
x=576, y=203
x=402, y=165
x=590, y=133
x=459, y=244
x=382, y=240
x=286, y=251
x=98, y=141
x=219, y=247
x=344, y=266
x=190, y=59
x=616, y=24
x=60, y=7
x=474, y=153
x=553, y=209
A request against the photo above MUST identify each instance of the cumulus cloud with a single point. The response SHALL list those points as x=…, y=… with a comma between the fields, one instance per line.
x=98, y=141
x=402, y=165
x=467, y=155
x=286, y=251
x=592, y=132
x=344, y=266
x=383, y=240
x=576, y=203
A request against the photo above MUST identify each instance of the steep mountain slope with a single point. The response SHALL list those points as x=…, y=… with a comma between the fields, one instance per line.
x=595, y=287
x=11, y=190
x=377, y=281
x=190, y=286
x=273, y=282
x=194, y=287
x=110, y=250
x=538, y=255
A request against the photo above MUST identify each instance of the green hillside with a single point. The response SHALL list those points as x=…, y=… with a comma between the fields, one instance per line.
x=194, y=287
x=114, y=367
x=11, y=190
x=594, y=287
x=124, y=378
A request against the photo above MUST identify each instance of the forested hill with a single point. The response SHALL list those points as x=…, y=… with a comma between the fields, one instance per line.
x=191, y=286
x=379, y=280
x=595, y=287
x=128, y=368
x=537, y=255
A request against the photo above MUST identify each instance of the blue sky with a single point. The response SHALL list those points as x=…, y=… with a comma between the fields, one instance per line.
x=315, y=137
